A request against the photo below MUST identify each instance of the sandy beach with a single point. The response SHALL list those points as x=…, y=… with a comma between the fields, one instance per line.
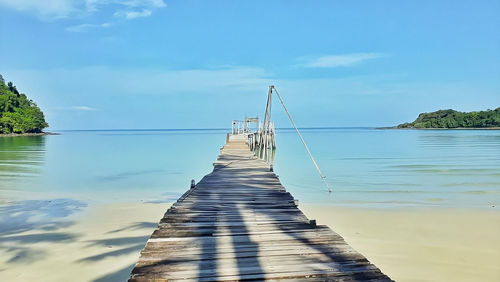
x=421, y=244
x=103, y=241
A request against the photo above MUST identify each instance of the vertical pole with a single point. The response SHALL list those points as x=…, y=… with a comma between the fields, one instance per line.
x=267, y=119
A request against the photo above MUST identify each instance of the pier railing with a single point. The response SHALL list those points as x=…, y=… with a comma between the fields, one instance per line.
x=263, y=140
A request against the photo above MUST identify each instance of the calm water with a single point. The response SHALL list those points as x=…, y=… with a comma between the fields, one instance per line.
x=365, y=167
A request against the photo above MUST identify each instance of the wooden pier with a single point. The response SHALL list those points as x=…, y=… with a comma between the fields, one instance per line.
x=239, y=223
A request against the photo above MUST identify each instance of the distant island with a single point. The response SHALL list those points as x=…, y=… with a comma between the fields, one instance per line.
x=18, y=114
x=443, y=119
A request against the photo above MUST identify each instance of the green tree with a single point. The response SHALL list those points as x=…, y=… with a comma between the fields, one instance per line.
x=18, y=114
x=454, y=119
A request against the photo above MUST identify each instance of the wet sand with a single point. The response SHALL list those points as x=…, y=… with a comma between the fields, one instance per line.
x=421, y=244
x=103, y=242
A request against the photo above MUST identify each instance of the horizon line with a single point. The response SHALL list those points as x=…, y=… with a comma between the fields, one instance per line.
x=213, y=129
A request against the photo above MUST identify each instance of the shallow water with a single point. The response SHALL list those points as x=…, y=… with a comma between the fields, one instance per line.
x=365, y=167
x=395, y=168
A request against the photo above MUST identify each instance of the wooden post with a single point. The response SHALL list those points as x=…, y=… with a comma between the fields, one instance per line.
x=312, y=222
x=227, y=138
x=192, y=183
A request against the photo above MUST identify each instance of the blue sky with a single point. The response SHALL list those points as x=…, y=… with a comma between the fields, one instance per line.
x=108, y=64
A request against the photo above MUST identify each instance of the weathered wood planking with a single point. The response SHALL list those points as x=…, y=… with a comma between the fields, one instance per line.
x=239, y=223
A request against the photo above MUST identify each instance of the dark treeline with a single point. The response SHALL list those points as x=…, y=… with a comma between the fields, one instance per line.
x=454, y=119
x=18, y=114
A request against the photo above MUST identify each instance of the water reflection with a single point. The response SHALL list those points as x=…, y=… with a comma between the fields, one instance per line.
x=266, y=155
x=20, y=157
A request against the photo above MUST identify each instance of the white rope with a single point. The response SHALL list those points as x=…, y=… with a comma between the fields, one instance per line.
x=323, y=177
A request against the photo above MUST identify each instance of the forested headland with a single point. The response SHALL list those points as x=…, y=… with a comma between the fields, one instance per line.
x=18, y=114
x=455, y=119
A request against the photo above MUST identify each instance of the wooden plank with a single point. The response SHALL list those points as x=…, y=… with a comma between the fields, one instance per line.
x=227, y=273
x=239, y=223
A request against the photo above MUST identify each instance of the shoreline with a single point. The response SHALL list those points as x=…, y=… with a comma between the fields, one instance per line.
x=438, y=128
x=27, y=134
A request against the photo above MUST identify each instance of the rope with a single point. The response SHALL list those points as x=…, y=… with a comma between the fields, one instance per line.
x=323, y=177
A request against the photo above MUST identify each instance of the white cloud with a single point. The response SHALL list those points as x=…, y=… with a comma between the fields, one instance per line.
x=78, y=9
x=45, y=9
x=133, y=14
x=76, y=108
x=344, y=60
x=86, y=27
x=144, y=3
x=82, y=108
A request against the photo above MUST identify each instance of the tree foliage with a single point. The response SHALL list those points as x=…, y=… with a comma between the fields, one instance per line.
x=454, y=119
x=18, y=114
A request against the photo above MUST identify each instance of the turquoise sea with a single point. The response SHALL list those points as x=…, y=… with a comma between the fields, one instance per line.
x=366, y=167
